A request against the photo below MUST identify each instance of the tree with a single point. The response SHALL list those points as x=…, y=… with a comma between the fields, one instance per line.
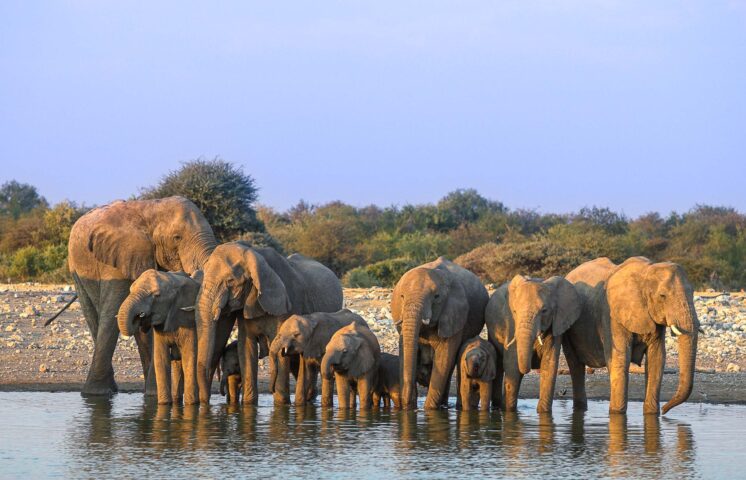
x=221, y=190
x=17, y=199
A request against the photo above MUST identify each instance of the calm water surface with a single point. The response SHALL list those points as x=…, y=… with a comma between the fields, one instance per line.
x=62, y=434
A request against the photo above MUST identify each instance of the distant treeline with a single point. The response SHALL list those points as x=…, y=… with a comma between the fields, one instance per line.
x=374, y=245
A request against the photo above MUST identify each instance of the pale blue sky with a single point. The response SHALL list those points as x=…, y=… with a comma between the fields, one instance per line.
x=635, y=105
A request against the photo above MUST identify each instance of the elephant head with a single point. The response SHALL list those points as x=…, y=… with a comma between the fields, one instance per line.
x=170, y=234
x=425, y=298
x=295, y=336
x=644, y=296
x=349, y=353
x=476, y=359
x=161, y=300
x=236, y=277
x=538, y=308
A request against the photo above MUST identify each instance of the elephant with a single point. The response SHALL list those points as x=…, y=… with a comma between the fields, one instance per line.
x=626, y=311
x=525, y=321
x=164, y=301
x=436, y=305
x=262, y=289
x=177, y=375
x=307, y=336
x=109, y=248
x=476, y=373
x=230, y=369
x=352, y=357
x=388, y=386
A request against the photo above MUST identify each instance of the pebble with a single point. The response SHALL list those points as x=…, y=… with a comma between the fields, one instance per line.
x=43, y=368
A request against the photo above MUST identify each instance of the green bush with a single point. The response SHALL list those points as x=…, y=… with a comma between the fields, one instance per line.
x=359, y=277
x=390, y=271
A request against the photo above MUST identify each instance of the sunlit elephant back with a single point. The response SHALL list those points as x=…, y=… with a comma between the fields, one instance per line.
x=110, y=247
x=263, y=288
x=437, y=305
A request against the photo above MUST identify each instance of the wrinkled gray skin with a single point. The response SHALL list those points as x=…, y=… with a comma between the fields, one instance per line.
x=307, y=336
x=388, y=386
x=475, y=374
x=230, y=367
x=525, y=322
x=352, y=357
x=109, y=248
x=626, y=312
x=164, y=301
x=262, y=288
x=438, y=304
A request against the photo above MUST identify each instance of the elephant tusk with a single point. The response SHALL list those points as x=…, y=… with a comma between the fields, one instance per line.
x=541, y=342
x=426, y=321
x=676, y=330
x=510, y=343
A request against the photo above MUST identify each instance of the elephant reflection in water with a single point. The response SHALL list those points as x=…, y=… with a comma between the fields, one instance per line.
x=435, y=431
x=520, y=436
x=477, y=427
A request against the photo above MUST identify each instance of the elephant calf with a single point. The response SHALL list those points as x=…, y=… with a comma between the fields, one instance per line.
x=476, y=372
x=164, y=301
x=231, y=373
x=525, y=322
x=388, y=386
x=352, y=357
x=307, y=336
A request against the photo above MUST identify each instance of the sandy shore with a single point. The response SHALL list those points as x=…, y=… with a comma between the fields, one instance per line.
x=34, y=358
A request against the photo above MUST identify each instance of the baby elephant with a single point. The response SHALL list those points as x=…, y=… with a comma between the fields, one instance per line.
x=352, y=357
x=164, y=301
x=307, y=336
x=231, y=376
x=476, y=372
x=388, y=387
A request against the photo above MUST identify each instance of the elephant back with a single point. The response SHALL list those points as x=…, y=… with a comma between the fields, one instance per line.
x=476, y=295
x=322, y=288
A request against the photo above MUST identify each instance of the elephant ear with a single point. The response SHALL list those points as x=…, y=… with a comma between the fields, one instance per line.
x=498, y=315
x=269, y=290
x=181, y=312
x=365, y=358
x=315, y=345
x=455, y=311
x=490, y=370
x=396, y=306
x=121, y=239
x=567, y=303
x=626, y=293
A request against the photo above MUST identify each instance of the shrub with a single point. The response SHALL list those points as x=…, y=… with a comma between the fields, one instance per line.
x=388, y=272
x=359, y=277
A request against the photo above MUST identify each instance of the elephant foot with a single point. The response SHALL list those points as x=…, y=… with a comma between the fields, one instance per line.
x=544, y=409
x=164, y=402
x=580, y=405
x=651, y=409
x=617, y=410
x=281, y=399
x=104, y=389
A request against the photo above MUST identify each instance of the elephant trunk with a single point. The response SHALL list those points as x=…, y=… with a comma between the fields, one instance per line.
x=687, y=359
x=410, y=334
x=525, y=336
x=131, y=307
x=196, y=250
x=208, y=312
x=329, y=359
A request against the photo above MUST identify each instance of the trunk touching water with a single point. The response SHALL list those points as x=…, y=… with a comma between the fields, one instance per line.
x=208, y=312
x=409, y=344
x=126, y=315
x=687, y=358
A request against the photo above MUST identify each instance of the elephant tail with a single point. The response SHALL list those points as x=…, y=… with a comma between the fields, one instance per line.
x=75, y=297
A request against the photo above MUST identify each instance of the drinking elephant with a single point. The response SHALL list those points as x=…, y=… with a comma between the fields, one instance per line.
x=476, y=373
x=164, y=301
x=436, y=305
x=627, y=309
x=525, y=322
x=307, y=336
x=352, y=357
x=230, y=373
x=263, y=288
x=110, y=247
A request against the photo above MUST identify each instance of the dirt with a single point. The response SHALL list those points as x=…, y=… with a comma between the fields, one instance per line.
x=55, y=358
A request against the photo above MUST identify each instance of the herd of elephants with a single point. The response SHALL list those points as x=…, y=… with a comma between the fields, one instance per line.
x=153, y=269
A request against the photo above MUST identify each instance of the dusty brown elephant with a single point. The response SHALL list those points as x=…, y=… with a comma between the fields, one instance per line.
x=436, y=305
x=110, y=247
x=476, y=373
x=627, y=309
x=307, y=336
x=164, y=301
x=230, y=373
x=263, y=288
x=352, y=357
x=388, y=386
x=525, y=322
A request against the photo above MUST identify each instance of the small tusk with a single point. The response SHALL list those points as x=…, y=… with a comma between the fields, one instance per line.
x=426, y=321
x=187, y=309
x=541, y=342
x=510, y=343
x=676, y=330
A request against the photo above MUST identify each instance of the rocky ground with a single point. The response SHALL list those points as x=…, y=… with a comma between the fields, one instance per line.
x=56, y=357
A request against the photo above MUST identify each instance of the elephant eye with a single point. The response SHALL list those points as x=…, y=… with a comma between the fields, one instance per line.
x=344, y=350
x=544, y=310
x=437, y=295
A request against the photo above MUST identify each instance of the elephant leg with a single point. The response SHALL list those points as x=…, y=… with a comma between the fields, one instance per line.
x=364, y=390
x=485, y=395
x=300, y=383
x=548, y=374
x=512, y=384
x=177, y=381
x=343, y=391
x=577, y=375
x=282, y=385
x=161, y=360
x=655, y=361
x=248, y=351
x=353, y=397
x=312, y=375
x=144, y=343
x=619, y=371
x=376, y=399
x=327, y=392
x=497, y=383
x=464, y=391
x=443, y=362
x=189, y=365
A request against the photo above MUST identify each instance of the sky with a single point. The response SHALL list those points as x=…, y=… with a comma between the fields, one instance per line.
x=635, y=105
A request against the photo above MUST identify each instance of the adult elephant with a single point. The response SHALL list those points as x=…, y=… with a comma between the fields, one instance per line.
x=626, y=311
x=262, y=288
x=438, y=305
x=110, y=247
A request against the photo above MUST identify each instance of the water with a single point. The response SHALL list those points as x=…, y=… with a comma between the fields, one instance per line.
x=62, y=434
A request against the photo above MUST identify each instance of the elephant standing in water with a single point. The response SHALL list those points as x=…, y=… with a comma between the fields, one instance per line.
x=262, y=288
x=626, y=311
x=109, y=248
x=525, y=322
x=438, y=305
